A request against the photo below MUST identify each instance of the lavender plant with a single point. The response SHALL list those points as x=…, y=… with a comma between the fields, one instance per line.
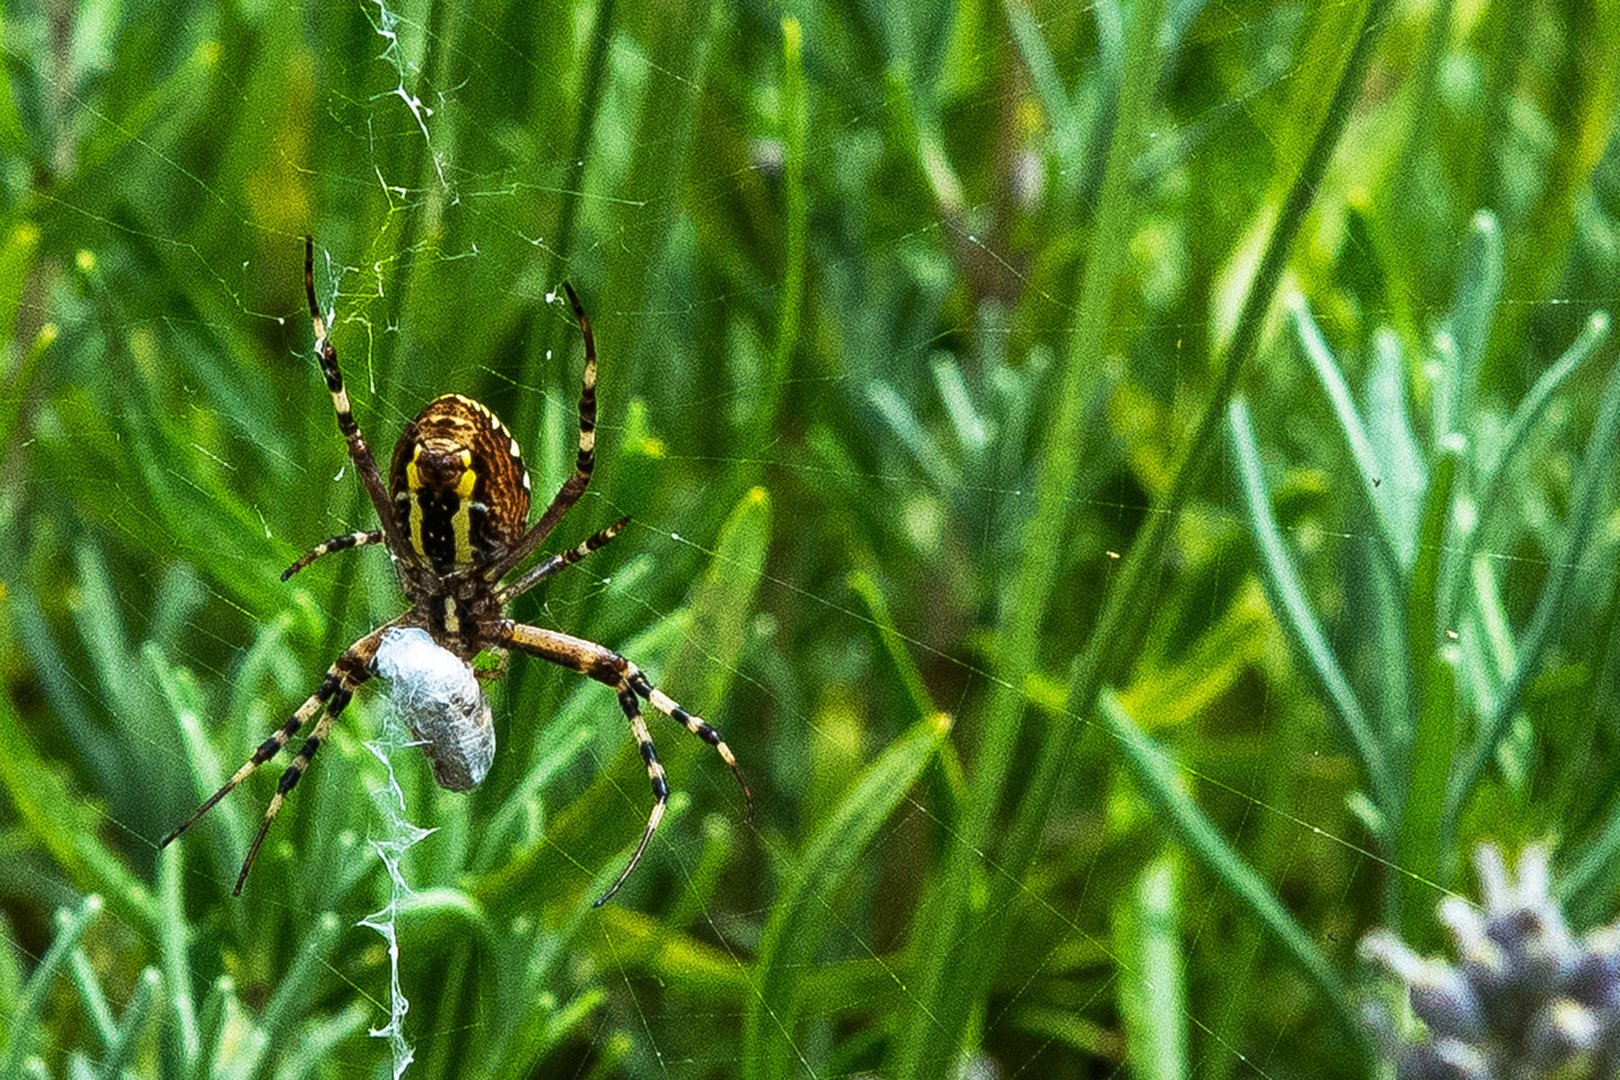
x=1523, y=998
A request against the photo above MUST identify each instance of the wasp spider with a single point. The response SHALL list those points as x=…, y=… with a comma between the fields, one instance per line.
x=455, y=520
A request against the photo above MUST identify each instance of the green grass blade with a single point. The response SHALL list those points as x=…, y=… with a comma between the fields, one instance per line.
x=1590, y=488
x=91, y=996
x=213, y=1023
x=1368, y=469
x=1297, y=615
x=705, y=662
x=1153, y=981
x=319, y=1042
x=18, y=1038
x=1533, y=407
x=1044, y=76
x=881, y=623
x=289, y=999
x=174, y=944
x=137, y=1011
x=1389, y=426
x=796, y=214
x=946, y=972
x=1149, y=765
x=1423, y=590
x=1423, y=841
x=800, y=919
x=1473, y=311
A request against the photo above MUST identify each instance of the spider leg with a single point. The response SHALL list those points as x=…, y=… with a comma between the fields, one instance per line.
x=290, y=777
x=606, y=666
x=330, y=544
x=359, y=452
x=561, y=561
x=575, y=485
x=696, y=725
x=348, y=671
x=655, y=776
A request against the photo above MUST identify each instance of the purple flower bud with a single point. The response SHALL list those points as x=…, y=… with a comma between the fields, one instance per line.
x=1594, y=980
x=1558, y=1033
x=1445, y=1060
x=1441, y=996
x=1526, y=1000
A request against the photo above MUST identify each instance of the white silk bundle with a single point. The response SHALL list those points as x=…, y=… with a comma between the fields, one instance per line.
x=441, y=701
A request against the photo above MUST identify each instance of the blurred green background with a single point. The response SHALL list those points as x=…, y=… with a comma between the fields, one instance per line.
x=1132, y=481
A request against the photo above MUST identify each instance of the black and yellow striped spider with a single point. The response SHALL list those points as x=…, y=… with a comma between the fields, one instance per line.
x=455, y=521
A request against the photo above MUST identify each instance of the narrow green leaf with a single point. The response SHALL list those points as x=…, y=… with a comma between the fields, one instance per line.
x=1153, y=983
x=1379, y=499
x=1422, y=841
x=1389, y=426
x=91, y=996
x=796, y=215
x=894, y=646
x=705, y=662
x=495, y=839
x=1531, y=409
x=137, y=1012
x=1591, y=484
x=902, y=422
x=17, y=1039
x=799, y=918
x=1149, y=765
x=174, y=934
x=213, y=1022
x=320, y=1040
x=1044, y=76
x=1423, y=590
x=1296, y=614
x=1473, y=311
x=290, y=997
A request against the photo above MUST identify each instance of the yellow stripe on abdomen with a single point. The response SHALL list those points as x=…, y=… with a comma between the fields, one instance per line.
x=413, y=480
x=461, y=521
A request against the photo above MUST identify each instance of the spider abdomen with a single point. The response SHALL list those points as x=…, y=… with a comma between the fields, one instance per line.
x=458, y=482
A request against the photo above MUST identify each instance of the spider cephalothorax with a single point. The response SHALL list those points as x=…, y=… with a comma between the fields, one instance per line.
x=455, y=518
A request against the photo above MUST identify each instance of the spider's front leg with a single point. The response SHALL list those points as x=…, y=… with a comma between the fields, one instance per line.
x=584, y=462
x=347, y=672
x=341, y=542
x=364, y=464
x=606, y=666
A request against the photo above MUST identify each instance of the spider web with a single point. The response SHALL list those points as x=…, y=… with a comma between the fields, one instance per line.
x=464, y=201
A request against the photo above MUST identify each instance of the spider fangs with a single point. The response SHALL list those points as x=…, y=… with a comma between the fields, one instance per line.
x=454, y=518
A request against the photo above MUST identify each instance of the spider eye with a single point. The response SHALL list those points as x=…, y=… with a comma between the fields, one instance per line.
x=441, y=701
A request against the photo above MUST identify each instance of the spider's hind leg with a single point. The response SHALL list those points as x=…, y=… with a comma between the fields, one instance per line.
x=347, y=672
x=695, y=724
x=606, y=666
x=655, y=776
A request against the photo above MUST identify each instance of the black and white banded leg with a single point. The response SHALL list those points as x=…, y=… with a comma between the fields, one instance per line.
x=584, y=463
x=695, y=724
x=606, y=666
x=346, y=673
x=655, y=776
x=561, y=561
x=342, y=542
x=364, y=464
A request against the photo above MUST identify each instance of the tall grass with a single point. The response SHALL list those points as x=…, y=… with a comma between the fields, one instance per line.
x=1084, y=738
